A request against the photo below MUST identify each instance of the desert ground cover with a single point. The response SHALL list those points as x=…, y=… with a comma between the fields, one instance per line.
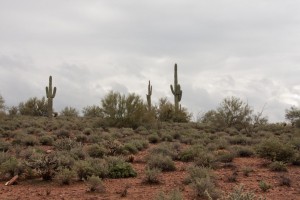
x=83, y=158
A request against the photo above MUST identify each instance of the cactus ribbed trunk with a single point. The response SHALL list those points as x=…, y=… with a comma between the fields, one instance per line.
x=176, y=91
x=149, y=95
x=50, y=93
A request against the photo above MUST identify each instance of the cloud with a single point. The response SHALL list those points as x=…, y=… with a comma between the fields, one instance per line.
x=247, y=49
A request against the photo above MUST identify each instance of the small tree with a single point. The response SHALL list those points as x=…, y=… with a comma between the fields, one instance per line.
x=69, y=112
x=166, y=112
x=121, y=110
x=233, y=112
x=92, y=111
x=292, y=114
x=34, y=107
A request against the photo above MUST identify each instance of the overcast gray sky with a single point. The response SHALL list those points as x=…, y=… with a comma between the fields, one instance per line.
x=243, y=48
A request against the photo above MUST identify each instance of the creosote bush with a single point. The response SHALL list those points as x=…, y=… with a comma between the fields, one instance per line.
x=275, y=150
x=118, y=168
x=65, y=176
x=164, y=163
x=95, y=184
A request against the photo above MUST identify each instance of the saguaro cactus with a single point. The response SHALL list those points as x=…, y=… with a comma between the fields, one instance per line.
x=50, y=93
x=176, y=90
x=149, y=95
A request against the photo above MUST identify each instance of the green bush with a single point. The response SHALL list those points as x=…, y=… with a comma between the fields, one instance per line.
x=278, y=166
x=96, y=151
x=83, y=169
x=239, y=194
x=46, y=140
x=95, y=184
x=62, y=133
x=153, y=138
x=65, y=144
x=244, y=151
x=274, y=150
x=4, y=146
x=45, y=165
x=225, y=157
x=11, y=167
x=152, y=176
x=264, y=186
x=65, y=176
x=205, y=159
x=164, y=163
x=118, y=168
x=173, y=195
x=205, y=187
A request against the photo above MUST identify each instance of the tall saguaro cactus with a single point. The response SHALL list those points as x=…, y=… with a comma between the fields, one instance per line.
x=149, y=95
x=50, y=93
x=176, y=90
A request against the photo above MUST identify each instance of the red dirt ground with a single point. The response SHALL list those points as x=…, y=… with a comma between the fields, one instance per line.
x=37, y=189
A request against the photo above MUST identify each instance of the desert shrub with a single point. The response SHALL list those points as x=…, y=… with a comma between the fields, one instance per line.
x=34, y=107
x=123, y=111
x=100, y=166
x=247, y=170
x=92, y=111
x=83, y=169
x=160, y=161
x=274, y=150
x=81, y=138
x=239, y=194
x=65, y=144
x=62, y=133
x=204, y=187
x=10, y=167
x=292, y=114
x=114, y=147
x=264, y=186
x=240, y=139
x=65, y=176
x=24, y=139
x=296, y=159
x=118, y=168
x=95, y=184
x=131, y=148
x=205, y=159
x=167, y=149
x=69, y=112
x=26, y=153
x=65, y=159
x=4, y=146
x=96, y=150
x=88, y=131
x=152, y=176
x=225, y=157
x=166, y=112
x=153, y=138
x=244, y=151
x=173, y=195
x=278, y=166
x=190, y=153
x=197, y=172
x=46, y=165
x=284, y=181
x=46, y=140
x=78, y=153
